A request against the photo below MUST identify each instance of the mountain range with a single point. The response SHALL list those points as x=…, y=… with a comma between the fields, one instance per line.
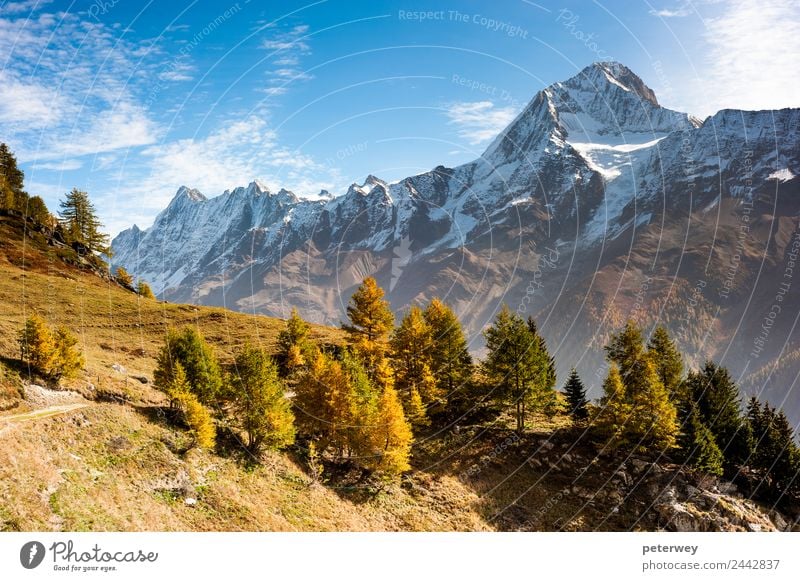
x=595, y=205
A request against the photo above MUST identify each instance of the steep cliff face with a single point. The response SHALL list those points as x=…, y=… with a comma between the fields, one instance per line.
x=594, y=205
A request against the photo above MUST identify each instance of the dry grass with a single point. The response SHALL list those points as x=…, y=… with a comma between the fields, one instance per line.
x=114, y=467
x=114, y=325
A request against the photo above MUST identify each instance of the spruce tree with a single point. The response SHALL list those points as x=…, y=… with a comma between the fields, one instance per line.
x=259, y=404
x=550, y=372
x=775, y=453
x=717, y=399
x=697, y=445
x=576, y=396
x=203, y=373
x=668, y=361
x=516, y=365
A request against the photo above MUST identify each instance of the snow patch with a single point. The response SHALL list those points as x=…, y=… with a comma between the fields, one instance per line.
x=782, y=175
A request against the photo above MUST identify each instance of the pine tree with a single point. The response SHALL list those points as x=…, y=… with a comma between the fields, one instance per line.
x=775, y=452
x=614, y=414
x=576, y=396
x=541, y=345
x=38, y=346
x=37, y=211
x=697, y=445
x=655, y=419
x=124, y=278
x=451, y=363
x=415, y=410
x=412, y=345
x=80, y=223
x=717, y=399
x=259, y=404
x=199, y=419
x=668, y=360
x=626, y=350
x=12, y=193
x=325, y=402
x=69, y=358
x=143, y=290
x=391, y=435
x=362, y=399
x=516, y=365
x=52, y=354
x=295, y=349
x=189, y=349
x=371, y=320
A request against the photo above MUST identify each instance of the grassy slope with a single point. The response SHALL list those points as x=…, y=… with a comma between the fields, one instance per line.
x=111, y=467
x=116, y=466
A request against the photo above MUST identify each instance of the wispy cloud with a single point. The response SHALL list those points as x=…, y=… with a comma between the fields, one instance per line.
x=231, y=156
x=179, y=71
x=479, y=121
x=753, y=55
x=24, y=6
x=65, y=90
x=669, y=13
x=63, y=165
x=287, y=47
x=676, y=10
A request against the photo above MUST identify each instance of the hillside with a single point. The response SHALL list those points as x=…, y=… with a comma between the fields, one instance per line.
x=97, y=453
x=595, y=204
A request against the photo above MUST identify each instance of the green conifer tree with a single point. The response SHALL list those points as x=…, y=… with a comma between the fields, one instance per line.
x=576, y=396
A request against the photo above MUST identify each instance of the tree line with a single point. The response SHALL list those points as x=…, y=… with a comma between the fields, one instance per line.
x=76, y=224
x=365, y=401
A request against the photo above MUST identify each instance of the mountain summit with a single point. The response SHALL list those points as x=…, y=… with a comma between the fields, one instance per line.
x=594, y=205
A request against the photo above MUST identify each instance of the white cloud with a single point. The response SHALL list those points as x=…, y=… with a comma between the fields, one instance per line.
x=68, y=88
x=667, y=13
x=752, y=59
x=229, y=157
x=63, y=165
x=679, y=10
x=479, y=121
x=287, y=46
x=179, y=71
x=27, y=105
x=24, y=6
x=120, y=127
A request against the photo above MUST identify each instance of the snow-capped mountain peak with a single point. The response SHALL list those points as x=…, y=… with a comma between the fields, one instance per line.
x=190, y=194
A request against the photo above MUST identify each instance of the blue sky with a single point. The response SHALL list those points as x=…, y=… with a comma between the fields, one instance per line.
x=130, y=100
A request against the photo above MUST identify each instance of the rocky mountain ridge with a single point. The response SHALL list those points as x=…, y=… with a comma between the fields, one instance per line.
x=594, y=205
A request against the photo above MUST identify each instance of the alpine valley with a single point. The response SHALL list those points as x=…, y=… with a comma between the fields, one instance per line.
x=595, y=205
